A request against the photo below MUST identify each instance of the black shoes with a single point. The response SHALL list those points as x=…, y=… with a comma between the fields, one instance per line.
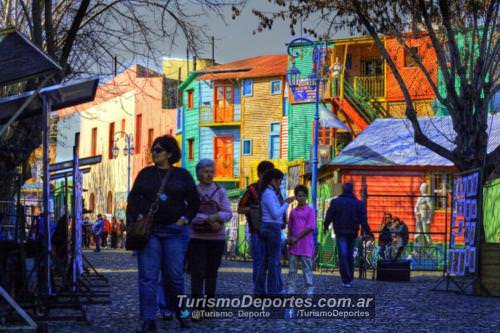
x=147, y=326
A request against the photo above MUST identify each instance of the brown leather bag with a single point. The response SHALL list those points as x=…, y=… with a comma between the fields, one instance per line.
x=138, y=233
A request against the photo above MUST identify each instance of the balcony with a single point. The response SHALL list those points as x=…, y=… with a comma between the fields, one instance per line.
x=372, y=86
x=229, y=116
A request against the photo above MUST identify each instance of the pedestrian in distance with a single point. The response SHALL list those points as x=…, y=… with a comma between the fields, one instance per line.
x=166, y=248
x=97, y=229
x=208, y=232
x=115, y=229
x=269, y=280
x=106, y=231
x=122, y=234
x=251, y=198
x=347, y=213
x=301, y=226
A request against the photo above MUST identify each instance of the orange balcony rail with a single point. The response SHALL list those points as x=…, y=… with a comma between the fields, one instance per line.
x=373, y=85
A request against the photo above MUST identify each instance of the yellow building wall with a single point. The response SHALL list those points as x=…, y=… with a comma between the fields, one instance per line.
x=258, y=112
x=171, y=67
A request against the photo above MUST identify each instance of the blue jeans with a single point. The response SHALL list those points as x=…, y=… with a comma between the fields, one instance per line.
x=165, y=251
x=345, y=246
x=269, y=269
x=162, y=298
x=256, y=256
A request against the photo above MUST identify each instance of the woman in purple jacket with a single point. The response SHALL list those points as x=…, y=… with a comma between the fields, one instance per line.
x=208, y=232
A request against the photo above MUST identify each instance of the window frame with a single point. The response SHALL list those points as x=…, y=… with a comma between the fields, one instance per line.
x=440, y=204
x=250, y=141
x=250, y=94
x=272, y=135
x=190, y=143
x=407, y=56
x=190, y=98
x=279, y=88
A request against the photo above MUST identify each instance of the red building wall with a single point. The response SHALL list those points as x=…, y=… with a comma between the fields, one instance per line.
x=395, y=192
x=418, y=86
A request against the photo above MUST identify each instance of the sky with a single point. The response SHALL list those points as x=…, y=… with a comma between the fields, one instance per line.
x=234, y=39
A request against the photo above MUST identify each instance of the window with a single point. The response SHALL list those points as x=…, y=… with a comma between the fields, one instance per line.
x=276, y=87
x=372, y=67
x=123, y=125
x=326, y=136
x=138, y=128
x=441, y=185
x=77, y=142
x=247, y=88
x=190, y=149
x=274, y=141
x=93, y=143
x=190, y=99
x=409, y=61
x=109, y=203
x=178, y=120
x=247, y=147
x=91, y=202
x=285, y=107
x=224, y=107
x=151, y=134
x=111, y=140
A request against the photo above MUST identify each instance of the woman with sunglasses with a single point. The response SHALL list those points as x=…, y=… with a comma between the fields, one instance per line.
x=167, y=245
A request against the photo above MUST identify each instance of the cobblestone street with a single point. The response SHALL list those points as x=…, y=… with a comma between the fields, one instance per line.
x=400, y=307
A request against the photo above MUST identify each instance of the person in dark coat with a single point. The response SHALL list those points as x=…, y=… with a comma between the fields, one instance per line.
x=346, y=213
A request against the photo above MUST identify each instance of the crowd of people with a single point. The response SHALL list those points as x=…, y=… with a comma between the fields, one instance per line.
x=103, y=233
x=188, y=233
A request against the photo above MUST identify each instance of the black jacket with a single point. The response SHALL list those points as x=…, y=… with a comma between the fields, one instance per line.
x=181, y=195
x=347, y=213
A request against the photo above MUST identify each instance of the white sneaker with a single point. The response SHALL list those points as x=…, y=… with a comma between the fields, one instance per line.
x=347, y=285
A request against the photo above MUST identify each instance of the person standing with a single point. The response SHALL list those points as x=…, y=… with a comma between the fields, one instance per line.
x=115, y=229
x=250, y=198
x=269, y=271
x=167, y=246
x=301, y=226
x=106, y=231
x=97, y=228
x=208, y=232
x=347, y=213
x=122, y=234
x=87, y=230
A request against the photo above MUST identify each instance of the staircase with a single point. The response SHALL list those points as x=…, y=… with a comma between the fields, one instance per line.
x=359, y=106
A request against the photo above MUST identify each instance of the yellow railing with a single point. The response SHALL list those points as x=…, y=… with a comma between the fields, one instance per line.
x=373, y=85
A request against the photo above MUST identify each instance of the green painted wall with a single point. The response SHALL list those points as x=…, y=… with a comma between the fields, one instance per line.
x=300, y=117
x=191, y=128
x=491, y=209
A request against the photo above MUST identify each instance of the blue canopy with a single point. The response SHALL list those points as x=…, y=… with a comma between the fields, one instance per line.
x=390, y=142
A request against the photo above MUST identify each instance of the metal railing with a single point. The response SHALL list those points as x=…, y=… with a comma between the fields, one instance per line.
x=373, y=84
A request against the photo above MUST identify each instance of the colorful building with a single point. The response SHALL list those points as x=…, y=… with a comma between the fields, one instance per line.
x=233, y=114
x=133, y=104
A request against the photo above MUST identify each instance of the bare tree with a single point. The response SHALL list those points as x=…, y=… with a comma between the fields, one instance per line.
x=464, y=37
x=87, y=37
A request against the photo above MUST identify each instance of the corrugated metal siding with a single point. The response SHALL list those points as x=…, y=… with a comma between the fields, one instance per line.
x=237, y=102
x=300, y=117
x=206, y=92
x=284, y=138
x=397, y=194
x=259, y=111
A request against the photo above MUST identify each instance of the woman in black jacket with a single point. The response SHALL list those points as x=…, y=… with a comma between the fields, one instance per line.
x=167, y=246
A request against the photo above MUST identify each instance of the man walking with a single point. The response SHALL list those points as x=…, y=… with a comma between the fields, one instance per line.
x=347, y=213
x=97, y=228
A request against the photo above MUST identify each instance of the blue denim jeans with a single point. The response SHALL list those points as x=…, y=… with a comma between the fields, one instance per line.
x=256, y=256
x=165, y=251
x=269, y=269
x=345, y=246
x=162, y=298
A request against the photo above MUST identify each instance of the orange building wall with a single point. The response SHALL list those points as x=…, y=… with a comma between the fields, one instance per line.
x=395, y=193
x=415, y=80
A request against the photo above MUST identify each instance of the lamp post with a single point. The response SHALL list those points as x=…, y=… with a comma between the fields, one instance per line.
x=314, y=81
x=128, y=151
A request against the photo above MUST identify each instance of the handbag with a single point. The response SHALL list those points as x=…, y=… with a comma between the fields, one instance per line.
x=208, y=206
x=138, y=232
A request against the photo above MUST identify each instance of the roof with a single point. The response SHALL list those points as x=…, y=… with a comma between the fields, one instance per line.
x=390, y=142
x=21, y=59
x=260, y=66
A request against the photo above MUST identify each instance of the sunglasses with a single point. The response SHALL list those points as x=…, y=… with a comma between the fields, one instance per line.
x=157, y=150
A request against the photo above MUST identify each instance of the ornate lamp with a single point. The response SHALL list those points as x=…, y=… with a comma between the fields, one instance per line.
x=293, y=75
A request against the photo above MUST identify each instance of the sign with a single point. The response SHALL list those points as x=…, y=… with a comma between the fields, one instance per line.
x=303, y=92
x=69, y=164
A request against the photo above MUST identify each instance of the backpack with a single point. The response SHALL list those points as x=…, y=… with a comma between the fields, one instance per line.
x=208, y=206
x=255, y=209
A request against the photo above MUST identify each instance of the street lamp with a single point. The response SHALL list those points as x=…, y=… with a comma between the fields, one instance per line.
x=314, y=81
x=128, y=151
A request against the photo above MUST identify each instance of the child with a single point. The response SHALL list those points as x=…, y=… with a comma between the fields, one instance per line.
x=301, y=226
